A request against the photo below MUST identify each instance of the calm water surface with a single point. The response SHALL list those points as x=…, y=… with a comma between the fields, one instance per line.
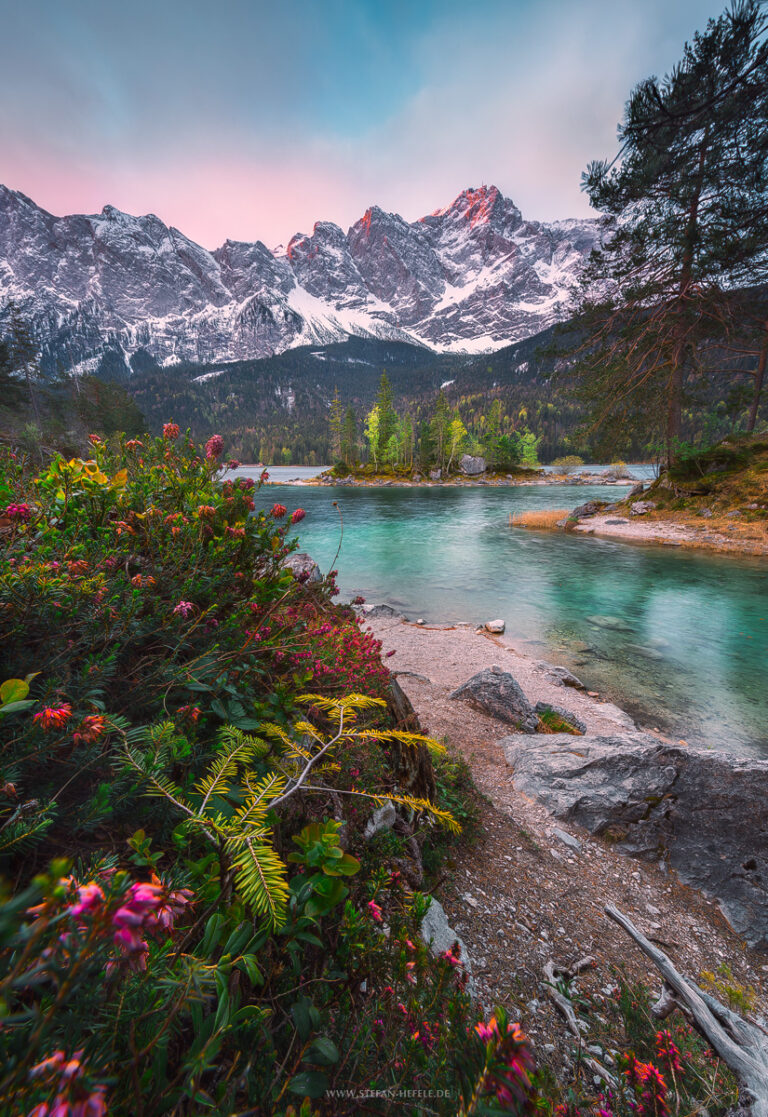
x=679, y=639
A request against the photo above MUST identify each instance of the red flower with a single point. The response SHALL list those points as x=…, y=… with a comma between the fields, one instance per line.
x=214, y=447
x=297, y=515
x=53, y=717
x=90, y=729
x=171, y=431
x=278, y=511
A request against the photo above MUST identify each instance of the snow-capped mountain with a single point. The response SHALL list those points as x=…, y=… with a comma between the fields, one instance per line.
x=471, y=277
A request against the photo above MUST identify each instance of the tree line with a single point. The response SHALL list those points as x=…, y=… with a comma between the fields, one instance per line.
x=425, y=440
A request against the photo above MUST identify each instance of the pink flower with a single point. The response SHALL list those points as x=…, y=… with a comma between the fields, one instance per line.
x=375, y=911
x=233, y=464
x=90, y=897
x=134, y=444
x=94, y=440
x=298, y=515
x=171, y=431
x=263, y=476
x=183, y=609
x=19, y=512
x=90, y=729
x=214, y=447
x=53, y=717
x=278, y=511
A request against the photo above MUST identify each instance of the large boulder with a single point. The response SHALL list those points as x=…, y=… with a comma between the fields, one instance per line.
x=700, y=812
x=471, y=466
x=498, y=693
x=591, y=508
x=303, y=567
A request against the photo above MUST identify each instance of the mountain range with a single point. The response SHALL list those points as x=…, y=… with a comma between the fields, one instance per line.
x=471, y=277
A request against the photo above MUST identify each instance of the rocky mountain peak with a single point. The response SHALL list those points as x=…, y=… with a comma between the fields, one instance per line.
x=471, y=276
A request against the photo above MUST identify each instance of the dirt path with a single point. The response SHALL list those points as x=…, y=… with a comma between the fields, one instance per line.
x=520, y=895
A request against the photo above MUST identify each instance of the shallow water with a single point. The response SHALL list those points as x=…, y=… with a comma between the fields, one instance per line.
x=678, y=638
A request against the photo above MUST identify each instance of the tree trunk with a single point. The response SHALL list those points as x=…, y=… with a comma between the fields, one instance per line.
x=759, y=378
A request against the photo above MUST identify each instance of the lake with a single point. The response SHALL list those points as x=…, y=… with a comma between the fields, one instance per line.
x=680, y=639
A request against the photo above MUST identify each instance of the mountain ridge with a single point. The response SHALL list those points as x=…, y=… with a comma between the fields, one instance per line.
x=471, y=277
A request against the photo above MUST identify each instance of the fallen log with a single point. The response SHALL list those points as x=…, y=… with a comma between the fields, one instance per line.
x=742, y=1045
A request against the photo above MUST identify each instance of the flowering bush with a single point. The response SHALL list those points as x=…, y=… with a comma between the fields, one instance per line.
x=153, y=733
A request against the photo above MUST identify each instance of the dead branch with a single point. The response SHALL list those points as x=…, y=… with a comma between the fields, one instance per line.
x=565, y=1006
x=740, y=1044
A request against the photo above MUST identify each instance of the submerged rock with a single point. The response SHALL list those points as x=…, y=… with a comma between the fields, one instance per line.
x=616, y=623
x=700, y=812
x=498, y=693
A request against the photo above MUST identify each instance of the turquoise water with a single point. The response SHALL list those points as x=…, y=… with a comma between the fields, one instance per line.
x=679, y=639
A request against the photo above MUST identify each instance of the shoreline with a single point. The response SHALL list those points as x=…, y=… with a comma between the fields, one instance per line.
x=533, y=881
x=680, y=532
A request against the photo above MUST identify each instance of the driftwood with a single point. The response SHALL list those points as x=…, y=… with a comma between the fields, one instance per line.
x=565, y=1006
x=741, y=1045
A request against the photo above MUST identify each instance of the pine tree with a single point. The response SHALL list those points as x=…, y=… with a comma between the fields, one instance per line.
x=387, y=416
x=349, y=438
x=335, y=424
x=439, y=428
x=684, y=140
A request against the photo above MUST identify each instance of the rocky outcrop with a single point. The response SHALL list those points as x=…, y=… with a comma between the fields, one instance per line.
x=702, y=813
x=498, y=693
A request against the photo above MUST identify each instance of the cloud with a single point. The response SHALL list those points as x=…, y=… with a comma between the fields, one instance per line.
x=255, y=120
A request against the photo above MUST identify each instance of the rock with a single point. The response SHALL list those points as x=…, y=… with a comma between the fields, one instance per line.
x=561, y=676
x=303, y=567
x=471, y=466
x=646, y=652
x=567, y=839
x=635, y=490
x=705, y=512
x=435, y=474
x=640, y=507
x=494, y=626
x=379, y=611
x=700, y=812
x=497, y=693
x=617, y=623
x=591, y=508
x=438, y=934
x=566, y=715
x=383, y=818
x=610, y=523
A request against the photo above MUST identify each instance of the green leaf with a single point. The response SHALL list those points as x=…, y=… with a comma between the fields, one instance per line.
x=301, y=1018
x=13, y=690
x=323, y=1051
x=309, y=1083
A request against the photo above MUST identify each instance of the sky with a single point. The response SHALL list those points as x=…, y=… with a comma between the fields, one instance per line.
x=250, y=120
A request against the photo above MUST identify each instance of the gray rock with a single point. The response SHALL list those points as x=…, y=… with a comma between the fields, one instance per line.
x=471, y=466
x=561, y=676
x=438, y=934
x=591, y=508
x=498, y=693
x=700, y=812
x=635, y=490
x=496, y=626
x=383, y=818
x=616, y=623
x=610, y=523
x=567, y=839
x=435, y=474
x=576, y=722
x=379, y=611
x=640, y=507
x=303, y=564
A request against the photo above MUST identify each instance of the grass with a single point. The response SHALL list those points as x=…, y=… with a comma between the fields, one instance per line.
x=546, y=519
